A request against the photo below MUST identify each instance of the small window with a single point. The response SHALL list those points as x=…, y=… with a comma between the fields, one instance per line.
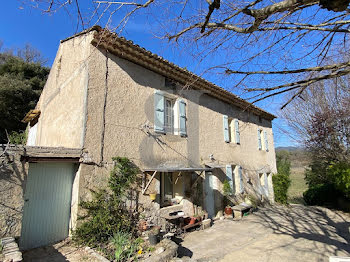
x=169, y=115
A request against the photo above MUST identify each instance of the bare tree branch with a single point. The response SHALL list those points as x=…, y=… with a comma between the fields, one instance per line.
x=295, y=71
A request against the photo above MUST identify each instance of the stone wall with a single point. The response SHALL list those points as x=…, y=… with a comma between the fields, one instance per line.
x=14, y=167
x=13, y=174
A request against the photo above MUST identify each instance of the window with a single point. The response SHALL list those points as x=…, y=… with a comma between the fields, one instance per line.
x=264, y=183
x=231, y=130
x=169, y=116
x=262, y=137
x=234, y=176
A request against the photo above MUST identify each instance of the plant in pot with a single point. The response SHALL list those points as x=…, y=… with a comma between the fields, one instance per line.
x=227, y=191
x=153, y=235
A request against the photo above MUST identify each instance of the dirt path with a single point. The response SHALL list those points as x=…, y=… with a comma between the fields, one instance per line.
x=63, y=251
x=297, y=233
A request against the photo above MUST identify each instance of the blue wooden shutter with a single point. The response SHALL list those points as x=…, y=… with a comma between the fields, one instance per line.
x=159, y=112
x=266, y=141
x=238, y=139
x=182, y=116
x=226, y=130
x=259, y=139
x=266, y=186
x=240, y=177
x=229, y=176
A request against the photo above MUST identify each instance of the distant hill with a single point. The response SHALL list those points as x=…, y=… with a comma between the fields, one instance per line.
x=298, y=156
x=289, y=148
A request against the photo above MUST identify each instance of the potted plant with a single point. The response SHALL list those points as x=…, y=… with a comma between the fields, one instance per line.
x=153, y=235
x=226, y=192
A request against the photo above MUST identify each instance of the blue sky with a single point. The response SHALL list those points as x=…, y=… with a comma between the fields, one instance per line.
x=21, y=24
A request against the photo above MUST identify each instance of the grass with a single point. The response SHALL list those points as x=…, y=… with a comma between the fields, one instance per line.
x=298, y=186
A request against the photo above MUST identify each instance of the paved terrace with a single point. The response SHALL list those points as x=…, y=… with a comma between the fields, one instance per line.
x=297, y=233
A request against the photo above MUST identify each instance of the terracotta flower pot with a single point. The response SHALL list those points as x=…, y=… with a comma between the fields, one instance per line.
x=143, y=225
x=193, y=220
x=228, y=210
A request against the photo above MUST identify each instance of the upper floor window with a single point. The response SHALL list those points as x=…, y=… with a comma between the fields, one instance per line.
x=231, y=130
x=169, y=114
x=263, y=143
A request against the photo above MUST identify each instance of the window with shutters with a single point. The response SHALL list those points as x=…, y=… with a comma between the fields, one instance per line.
x=264, y=183
x=234, y=175
x=231, y=130
x=263, y=143
x=169, y=115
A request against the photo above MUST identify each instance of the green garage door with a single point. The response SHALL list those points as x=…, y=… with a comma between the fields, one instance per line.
x=47, y=204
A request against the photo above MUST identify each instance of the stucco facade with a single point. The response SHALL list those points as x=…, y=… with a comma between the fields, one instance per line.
x=105, y=104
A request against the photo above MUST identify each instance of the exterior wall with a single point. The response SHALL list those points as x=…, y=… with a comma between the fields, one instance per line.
x=63, y=100
x=120, y=108
x=109, y=111
x=120, y=123
x=13, y=176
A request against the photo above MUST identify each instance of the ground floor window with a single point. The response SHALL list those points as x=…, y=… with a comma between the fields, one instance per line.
x=264, y=182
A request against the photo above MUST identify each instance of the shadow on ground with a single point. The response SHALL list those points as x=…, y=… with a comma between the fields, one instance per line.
x=48, y=253
x=276, y=233
x=317, y=224
x=60, y=252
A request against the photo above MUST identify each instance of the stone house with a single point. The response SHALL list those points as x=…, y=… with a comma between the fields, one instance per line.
x=109, y=97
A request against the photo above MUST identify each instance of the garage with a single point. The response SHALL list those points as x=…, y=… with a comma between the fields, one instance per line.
x=47, y=203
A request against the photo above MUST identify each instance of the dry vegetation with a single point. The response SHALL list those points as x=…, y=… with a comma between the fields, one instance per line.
x=299, y=162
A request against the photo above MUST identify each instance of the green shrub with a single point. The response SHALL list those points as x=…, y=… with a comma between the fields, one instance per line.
x=227, y=191
x=18, y=138
x=281, y=183
x=340, y=175
x=322, y=194
x=106, y=214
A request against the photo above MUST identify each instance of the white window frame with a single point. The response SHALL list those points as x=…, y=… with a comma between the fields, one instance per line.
x=169, y=127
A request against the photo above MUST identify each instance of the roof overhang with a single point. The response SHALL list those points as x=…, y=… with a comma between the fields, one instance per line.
x=31, y=115
x=52, y=154
x=125, y=49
